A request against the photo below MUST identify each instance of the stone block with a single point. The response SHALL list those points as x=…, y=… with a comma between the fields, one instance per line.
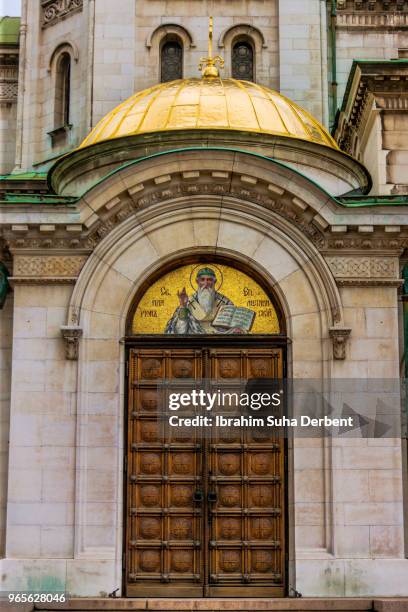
x=385, y=485
x=23, y=541
x=309, y=513
x=57, y=542
x=356, y=489
x=25, y=485
x=386, y=541
x=309, y=486
x=29, y=322
x=104, y=578
x=103, y=376
x=370, y=513
x=352, y=541
x=376, y=577
x=58, y=485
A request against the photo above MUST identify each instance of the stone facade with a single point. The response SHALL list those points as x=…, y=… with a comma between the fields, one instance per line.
x=83, y=233
x=9, y=51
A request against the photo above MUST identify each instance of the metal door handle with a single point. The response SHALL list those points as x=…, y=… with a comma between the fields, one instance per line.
x=198, y=496
x=212, y=496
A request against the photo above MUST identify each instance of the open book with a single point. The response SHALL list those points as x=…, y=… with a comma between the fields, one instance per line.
x=233, y=316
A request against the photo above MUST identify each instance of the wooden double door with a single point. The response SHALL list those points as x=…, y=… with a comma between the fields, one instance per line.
x=204, y=505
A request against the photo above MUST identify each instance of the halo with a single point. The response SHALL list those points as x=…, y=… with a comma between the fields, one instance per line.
x=220, y=276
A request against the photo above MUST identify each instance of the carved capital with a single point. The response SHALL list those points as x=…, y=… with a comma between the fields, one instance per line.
x=71, y=335
x=339, y=336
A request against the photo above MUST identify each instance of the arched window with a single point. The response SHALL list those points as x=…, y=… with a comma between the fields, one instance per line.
x=62, y=91
x=171, y=60
x=243, y=61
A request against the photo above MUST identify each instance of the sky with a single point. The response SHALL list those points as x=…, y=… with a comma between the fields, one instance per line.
x=10, y=7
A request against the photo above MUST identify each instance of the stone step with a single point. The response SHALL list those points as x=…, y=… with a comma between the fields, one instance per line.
x=304, y=604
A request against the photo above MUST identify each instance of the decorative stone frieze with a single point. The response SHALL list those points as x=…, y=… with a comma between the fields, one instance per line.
x=48, y=266
x=339, y=336
x=356, y=270
x=55, y=10
x=8, y=78
x=71, y=335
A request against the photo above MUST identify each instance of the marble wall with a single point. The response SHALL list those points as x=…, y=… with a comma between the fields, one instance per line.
x=65, y=473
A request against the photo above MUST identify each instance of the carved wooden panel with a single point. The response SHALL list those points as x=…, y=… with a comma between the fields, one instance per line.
x=205, y=509
x=246, y=478
x=164, y=523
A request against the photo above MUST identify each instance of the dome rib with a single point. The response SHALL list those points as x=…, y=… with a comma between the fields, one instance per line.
x=270, y=98
x=209, y=104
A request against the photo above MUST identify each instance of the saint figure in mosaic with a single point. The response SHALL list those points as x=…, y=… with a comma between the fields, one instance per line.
x=207, y=311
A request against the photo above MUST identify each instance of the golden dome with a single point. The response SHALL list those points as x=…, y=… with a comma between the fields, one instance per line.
x=209, y=103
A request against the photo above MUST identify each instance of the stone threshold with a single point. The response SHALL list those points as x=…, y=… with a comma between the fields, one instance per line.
x=304, y=604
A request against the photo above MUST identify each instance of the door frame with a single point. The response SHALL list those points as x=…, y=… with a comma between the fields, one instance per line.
x=162, y=341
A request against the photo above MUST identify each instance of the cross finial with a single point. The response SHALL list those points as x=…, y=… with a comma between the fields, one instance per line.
x=208, y=65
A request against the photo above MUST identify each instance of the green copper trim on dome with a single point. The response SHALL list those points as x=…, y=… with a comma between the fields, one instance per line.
x=229, y=149
x=360, y=201
x=345, y=201
x=24, y=176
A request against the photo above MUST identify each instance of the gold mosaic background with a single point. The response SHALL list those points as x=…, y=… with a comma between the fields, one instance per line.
x=160, y=301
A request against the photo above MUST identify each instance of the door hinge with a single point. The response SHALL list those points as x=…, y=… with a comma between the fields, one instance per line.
x=124, y=561
x=125, y=466
x=127, y=369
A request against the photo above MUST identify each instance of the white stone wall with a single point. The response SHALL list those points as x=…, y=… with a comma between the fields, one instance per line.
x=303, y=54
x=40, y=511
x=395, y=154
x=39, y=85
x=367, y=530
x=8, y=114
x=125, y=64
x=6, y=334
x=345, y=498
x=115, y=57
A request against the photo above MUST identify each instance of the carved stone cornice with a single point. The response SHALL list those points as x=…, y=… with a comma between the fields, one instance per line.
x=359, y=6
x=385, y=14
x=176, y=191
x=369, y=282
x=171, y=188
x=55, y=10
x=372, y=87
